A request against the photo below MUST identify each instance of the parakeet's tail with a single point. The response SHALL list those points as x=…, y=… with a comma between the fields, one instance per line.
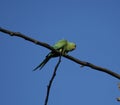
x=42, y=64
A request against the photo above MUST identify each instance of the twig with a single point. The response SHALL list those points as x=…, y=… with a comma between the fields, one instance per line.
x=66, y=56
x=118, y=98
x=51, y=81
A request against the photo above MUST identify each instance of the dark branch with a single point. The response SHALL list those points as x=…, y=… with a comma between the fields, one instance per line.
x=51, y=81
x=18, y=34
x=83, y=63
x=66, y=56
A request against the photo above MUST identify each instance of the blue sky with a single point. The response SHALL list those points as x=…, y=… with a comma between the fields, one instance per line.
x=94, y=25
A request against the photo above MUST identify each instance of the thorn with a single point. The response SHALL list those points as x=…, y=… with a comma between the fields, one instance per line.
x=119, y=85
x=118, y=99
x=81, y=66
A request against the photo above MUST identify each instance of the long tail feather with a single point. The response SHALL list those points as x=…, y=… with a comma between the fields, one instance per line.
x=42, y=64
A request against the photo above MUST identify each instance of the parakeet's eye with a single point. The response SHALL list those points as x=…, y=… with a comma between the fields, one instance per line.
x=73, y=47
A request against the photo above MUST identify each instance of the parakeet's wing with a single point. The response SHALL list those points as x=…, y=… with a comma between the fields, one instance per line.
x=42, y=64
x=60, y=44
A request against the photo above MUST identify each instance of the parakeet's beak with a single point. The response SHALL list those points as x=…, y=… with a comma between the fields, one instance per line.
x=75, y=46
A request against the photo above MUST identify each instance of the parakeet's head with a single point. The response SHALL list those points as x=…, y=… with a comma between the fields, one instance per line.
x=70, y=46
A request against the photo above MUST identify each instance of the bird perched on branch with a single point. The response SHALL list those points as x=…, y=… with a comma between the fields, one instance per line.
x=63, y=46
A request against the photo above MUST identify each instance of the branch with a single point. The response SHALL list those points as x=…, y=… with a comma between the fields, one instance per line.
x=83, y=63
x=51, y=81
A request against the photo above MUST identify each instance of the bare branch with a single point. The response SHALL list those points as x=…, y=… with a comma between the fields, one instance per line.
x=51, y=81
x=18, y=34
x=66, y=56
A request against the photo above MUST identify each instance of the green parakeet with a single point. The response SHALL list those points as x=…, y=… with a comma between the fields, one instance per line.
x=62, y=46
